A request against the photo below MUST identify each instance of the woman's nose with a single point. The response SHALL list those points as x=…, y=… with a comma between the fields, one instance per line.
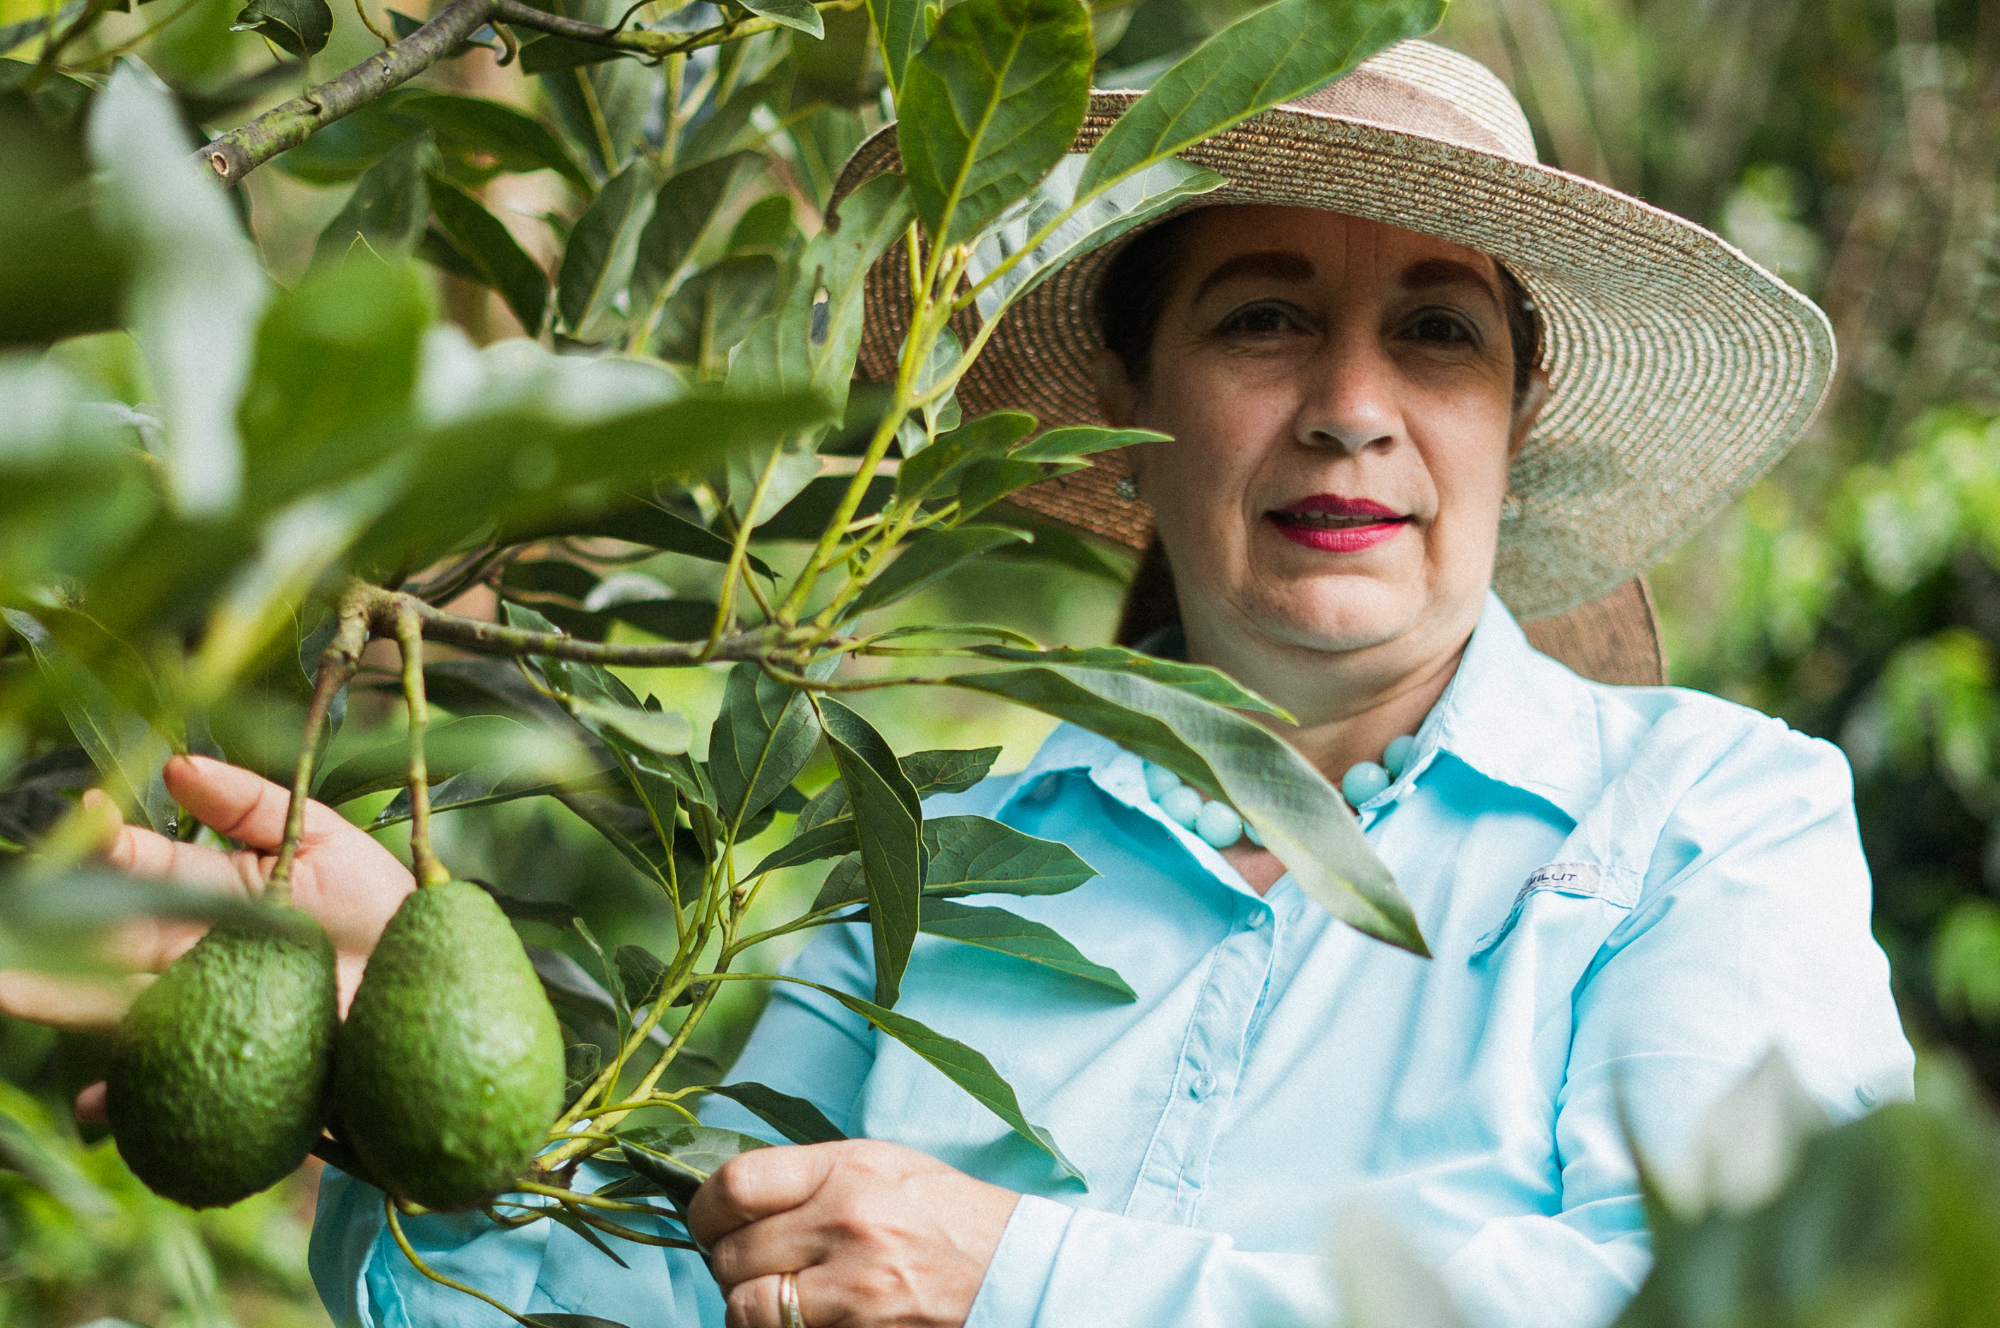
x=1348, y=401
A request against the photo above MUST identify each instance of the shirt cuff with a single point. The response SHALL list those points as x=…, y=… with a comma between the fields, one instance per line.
x=1011, y=1295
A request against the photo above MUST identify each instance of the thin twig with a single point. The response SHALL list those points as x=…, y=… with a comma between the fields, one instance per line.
x=336, y=665
x=423, y=858
x=410, y=1253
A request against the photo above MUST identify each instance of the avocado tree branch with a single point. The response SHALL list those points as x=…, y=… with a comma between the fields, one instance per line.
x=336, y=665
x=243, y=149
x=765, y=645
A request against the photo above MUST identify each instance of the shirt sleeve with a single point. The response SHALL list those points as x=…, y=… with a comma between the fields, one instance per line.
x=805, y=1045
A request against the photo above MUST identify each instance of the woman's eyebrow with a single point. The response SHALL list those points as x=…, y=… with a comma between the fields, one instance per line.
x=1432, y=272
x=1275, y=264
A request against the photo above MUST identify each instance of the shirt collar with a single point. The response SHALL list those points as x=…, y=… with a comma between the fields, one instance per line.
x=1509, y=712
x=1517, y=716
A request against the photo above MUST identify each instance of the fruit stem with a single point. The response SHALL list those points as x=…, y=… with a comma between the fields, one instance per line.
x=337, y=664
x=410, y=639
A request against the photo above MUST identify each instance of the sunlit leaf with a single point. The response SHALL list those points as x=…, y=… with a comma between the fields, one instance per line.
x=899, y=28
x=989, y=105
x=998, y=930
x=800, y=15
x=1200, y=680
x=1271, y=55
x=681, y=1158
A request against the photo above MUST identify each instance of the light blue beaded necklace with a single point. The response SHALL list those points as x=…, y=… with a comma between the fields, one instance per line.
x=1218, y=824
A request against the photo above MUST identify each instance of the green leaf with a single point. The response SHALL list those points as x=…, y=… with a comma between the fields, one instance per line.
x=487, y=785
x=642, y=975
x=796, y=14
x=126, y=750
x=933, y=469
x=685, y=215
x=681, y=1158
x=958, y=1063
x=1196, y=679
x=346, y=148
x=1063, y=548
x=300, y=27
x=653, y=527
x=1300, y=816
x=761, y=740
x=478, y=137
x=1272, y=55
x=888, y=816
x=197, y=287
x=520, y=468
x=989, y=106
x=794, y=1117
x=972, y=855
x=714, y=310
x=833, y=839
x=1130, y=202
x=667, y=732
x=548, y=912
x=1082, y=440
x=450, y=748
x=627, y=828
x=940, y=770
x=498, y=262
x=997, y=929
x=554, y=53
x=387, y=209
x=603, y=246
x=899, y=31
x=929, y=557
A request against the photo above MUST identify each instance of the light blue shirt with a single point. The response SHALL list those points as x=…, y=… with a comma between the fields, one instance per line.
x=1631, y=893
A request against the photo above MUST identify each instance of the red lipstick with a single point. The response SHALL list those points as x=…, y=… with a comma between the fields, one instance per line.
x=1332, y=524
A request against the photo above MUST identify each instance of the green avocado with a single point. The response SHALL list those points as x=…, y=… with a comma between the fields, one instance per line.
x=219, y=1073
x=450, y=1065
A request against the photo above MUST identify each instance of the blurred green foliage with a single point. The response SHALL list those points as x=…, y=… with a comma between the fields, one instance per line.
x=1851, y=145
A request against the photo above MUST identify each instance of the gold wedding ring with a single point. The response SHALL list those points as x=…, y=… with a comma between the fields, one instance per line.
x=789, y=1313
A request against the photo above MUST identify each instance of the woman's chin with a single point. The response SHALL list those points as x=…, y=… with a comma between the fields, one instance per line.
x=1342, y=613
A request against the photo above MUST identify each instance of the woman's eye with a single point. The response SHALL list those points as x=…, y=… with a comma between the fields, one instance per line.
x=1442, y=328
x=1259, y=320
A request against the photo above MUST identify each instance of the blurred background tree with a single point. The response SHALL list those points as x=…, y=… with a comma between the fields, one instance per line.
x=1853, y=146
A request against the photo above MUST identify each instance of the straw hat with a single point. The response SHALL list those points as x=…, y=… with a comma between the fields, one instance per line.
x=1681, y=370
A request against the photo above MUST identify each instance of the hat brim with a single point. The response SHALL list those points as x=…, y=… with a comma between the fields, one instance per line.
x=1680, y=369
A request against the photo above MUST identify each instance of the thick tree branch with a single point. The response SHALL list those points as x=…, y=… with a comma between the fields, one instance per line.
x=242, y=150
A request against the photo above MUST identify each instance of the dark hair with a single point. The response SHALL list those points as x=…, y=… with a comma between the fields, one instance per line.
x=1131, y=296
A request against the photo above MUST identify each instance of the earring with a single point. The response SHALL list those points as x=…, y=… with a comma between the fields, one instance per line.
x=1127, y=490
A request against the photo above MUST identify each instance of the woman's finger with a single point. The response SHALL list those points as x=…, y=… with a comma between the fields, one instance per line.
x=90, y=1104
x=755, y=1185
x=80, y=1005
x=230, y=800
x=776, y=1244
x=756, y=1304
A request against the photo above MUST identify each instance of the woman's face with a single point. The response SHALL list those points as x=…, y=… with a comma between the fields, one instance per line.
x=1341, y=398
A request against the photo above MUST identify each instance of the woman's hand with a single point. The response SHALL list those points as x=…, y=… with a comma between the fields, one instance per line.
x=346, y=880
x=878, y=1235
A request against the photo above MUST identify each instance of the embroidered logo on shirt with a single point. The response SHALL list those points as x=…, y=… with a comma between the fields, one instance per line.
x=1582, y=879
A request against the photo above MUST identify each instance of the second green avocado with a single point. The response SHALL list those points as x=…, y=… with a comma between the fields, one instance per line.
x=449, y=1068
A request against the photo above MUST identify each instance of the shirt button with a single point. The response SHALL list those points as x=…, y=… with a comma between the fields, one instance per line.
x=1201, y=1085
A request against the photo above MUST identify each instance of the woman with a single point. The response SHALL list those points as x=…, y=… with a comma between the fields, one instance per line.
x=1632, y=895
